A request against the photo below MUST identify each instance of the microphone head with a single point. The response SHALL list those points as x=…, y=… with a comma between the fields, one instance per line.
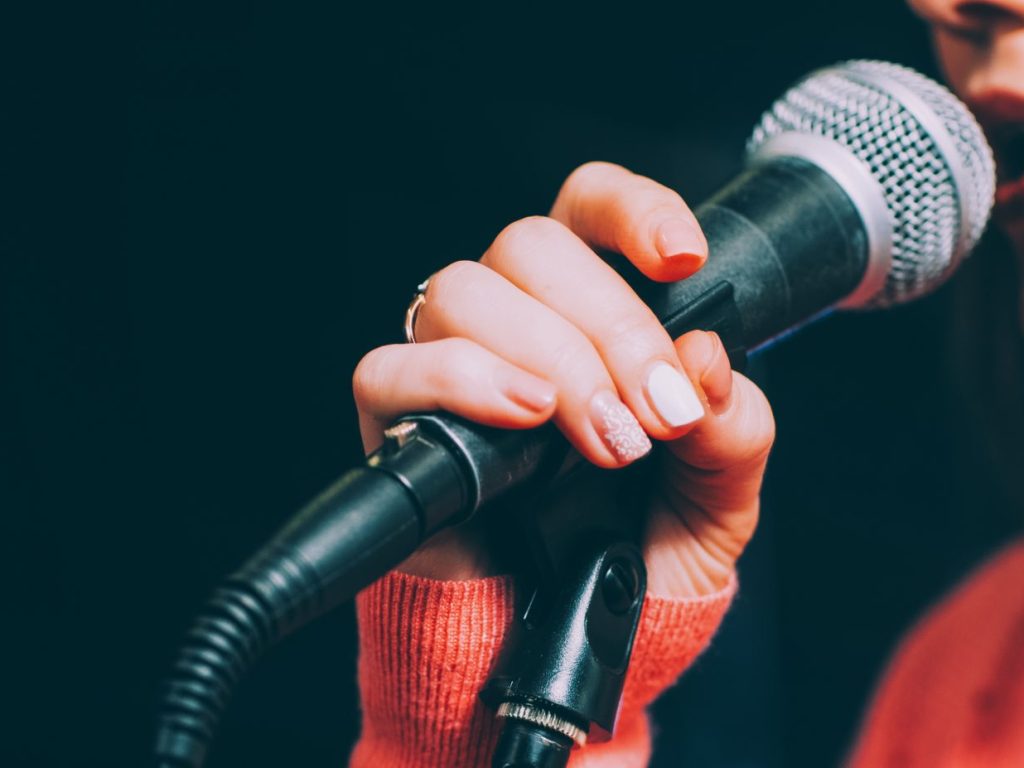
x=910, y=156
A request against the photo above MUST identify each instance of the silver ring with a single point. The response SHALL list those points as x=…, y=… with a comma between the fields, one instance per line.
x=418, y=300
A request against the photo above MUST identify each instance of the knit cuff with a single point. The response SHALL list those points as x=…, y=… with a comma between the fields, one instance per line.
x=673, y=632
x=427, y=648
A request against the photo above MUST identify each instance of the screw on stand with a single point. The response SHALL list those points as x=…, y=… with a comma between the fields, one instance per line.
x=535, y=737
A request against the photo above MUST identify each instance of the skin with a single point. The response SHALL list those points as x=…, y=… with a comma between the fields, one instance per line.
x=565, y=348
x=562, y=350
x=980, y=46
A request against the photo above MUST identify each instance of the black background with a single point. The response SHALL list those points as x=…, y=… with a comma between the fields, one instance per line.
x=211, y=211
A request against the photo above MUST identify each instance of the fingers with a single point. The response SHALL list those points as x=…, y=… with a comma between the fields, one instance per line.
x=549, y=263
x=472, y=301
x=455, y=375
x=708, y=507
x=737, y=433
x=544, y=304
x=703, y=355
x=610, y=207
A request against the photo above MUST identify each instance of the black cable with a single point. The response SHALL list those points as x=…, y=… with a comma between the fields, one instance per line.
x=365, y=524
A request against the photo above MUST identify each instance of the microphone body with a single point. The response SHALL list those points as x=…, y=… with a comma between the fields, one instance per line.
x=786, y=243
x=818, y=220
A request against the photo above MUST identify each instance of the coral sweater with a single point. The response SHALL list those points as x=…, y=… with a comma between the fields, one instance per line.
x=953, y=697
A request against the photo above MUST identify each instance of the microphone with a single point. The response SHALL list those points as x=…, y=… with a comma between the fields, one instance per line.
x=867, y=185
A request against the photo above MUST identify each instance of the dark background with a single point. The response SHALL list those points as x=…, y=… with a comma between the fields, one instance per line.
x=211, y=211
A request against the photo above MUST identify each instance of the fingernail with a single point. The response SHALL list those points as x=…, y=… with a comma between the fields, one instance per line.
x=673, y=396
x=618, y=427
x=678, y=240
x=527, y=391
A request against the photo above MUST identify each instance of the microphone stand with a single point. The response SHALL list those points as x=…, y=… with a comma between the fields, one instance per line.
x=558, y=679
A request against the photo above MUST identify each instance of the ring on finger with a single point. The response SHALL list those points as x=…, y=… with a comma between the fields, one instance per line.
x=418, y=300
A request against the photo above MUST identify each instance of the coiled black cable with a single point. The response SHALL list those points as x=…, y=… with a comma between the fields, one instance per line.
x=254, y=608
x=357, y=529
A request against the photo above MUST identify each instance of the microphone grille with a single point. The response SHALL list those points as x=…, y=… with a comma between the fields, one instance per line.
x=920, y=144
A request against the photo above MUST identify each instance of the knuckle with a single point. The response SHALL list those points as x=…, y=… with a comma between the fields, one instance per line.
x=524, y=241
x=456, y=360
x=760, y=445
x=633, y=332
x=450, y=281
x=526, y=236
x=582, y=186
x=574, y=359
x=370, y=377
x=594, y=172
x=768, y=428
x=453, y=359
x=457, y=352
x=757, y=424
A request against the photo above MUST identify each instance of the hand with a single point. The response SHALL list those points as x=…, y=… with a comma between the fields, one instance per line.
x=541, y=328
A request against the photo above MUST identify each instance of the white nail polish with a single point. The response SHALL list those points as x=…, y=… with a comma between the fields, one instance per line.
x=673, y=396
x=619, y=428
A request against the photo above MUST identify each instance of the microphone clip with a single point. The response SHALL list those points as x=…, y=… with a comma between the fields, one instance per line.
x=558, y=680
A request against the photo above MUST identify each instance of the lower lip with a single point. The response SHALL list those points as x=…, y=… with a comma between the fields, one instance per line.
x=1010, y=199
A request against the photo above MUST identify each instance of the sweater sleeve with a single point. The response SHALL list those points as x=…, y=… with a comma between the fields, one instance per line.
x=426, y=650
x=953, y=694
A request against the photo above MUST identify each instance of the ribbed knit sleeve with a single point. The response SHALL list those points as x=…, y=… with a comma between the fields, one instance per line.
x=427, y=648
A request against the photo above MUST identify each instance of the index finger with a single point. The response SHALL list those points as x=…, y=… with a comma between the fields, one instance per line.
x=610, y=207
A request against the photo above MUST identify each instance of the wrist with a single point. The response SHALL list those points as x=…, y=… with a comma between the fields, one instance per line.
x=453, y=554
x=682, y=564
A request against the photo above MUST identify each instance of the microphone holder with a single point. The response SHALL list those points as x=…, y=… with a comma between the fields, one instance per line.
x=558, y=679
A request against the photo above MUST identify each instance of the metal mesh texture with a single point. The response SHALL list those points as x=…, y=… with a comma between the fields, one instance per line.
x=935, y=222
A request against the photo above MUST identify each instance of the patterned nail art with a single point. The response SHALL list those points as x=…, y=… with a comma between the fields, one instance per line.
x=619, y=428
